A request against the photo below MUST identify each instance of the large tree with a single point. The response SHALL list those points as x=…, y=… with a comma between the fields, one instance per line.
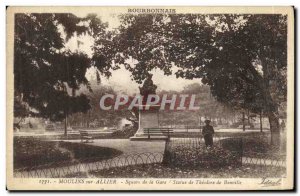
x=47, y=74
x=243, y=58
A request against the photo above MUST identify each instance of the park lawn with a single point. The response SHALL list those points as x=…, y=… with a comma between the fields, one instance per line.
x=31, y=152
x=164, y=171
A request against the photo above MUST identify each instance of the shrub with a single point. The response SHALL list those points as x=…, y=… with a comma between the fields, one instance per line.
x=126, y=132
x=254, y=147
x=185, y=156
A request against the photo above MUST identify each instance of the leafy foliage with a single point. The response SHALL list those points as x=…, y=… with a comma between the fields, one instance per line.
x=243, y=58
x=44, y=70
x=226, y=51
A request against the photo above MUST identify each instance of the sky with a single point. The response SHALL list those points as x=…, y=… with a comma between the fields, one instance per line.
x=120, y=79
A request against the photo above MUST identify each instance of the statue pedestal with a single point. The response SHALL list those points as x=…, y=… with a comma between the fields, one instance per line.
x=147, y=119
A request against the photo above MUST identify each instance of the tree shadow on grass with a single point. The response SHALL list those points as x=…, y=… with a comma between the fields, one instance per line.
x=31, y=152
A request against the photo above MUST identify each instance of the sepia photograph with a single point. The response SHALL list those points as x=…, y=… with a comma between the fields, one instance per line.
x=150, y=98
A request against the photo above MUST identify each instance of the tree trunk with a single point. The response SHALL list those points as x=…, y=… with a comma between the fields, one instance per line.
x=274, y=128
x=66, y=112
x=200, y=121
x=88, y=119
x=244, y=127
x=272, y=110
x=66, y=121
x=260, y=121
x=233, y=119
x=248, y=117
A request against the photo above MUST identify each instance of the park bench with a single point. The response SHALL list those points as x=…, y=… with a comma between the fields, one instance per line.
x=84, y=136
x=163, y=131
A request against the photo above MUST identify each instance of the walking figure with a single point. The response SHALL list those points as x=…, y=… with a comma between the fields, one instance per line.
x=208, y=132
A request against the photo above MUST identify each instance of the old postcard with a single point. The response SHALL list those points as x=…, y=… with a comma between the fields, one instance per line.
x=150, y=98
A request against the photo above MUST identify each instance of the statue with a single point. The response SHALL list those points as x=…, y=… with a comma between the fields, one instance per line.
x=148, y=88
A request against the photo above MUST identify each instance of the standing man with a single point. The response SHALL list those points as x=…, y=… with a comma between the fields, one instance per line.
x=208, y=132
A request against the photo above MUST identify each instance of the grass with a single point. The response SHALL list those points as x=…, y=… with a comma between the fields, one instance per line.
x=30, y=152
x=164, y=171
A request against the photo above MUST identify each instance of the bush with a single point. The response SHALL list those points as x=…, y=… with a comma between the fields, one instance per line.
x=185, y=156
x=127, y=132
x=253, y=147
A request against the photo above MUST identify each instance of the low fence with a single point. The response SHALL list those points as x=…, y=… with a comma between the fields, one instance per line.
x=186, y=152
x=62, y=169
x=263, y=162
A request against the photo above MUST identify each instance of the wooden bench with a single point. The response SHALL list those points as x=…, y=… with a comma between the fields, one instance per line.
x=84, y=135
x=164, y=131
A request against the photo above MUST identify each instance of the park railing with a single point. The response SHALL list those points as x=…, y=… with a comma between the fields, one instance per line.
x=263, y=162
x=63, y=169
x=179, y=152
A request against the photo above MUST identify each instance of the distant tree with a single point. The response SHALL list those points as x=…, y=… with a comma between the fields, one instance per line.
x=95, y=114
x=210, y=108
